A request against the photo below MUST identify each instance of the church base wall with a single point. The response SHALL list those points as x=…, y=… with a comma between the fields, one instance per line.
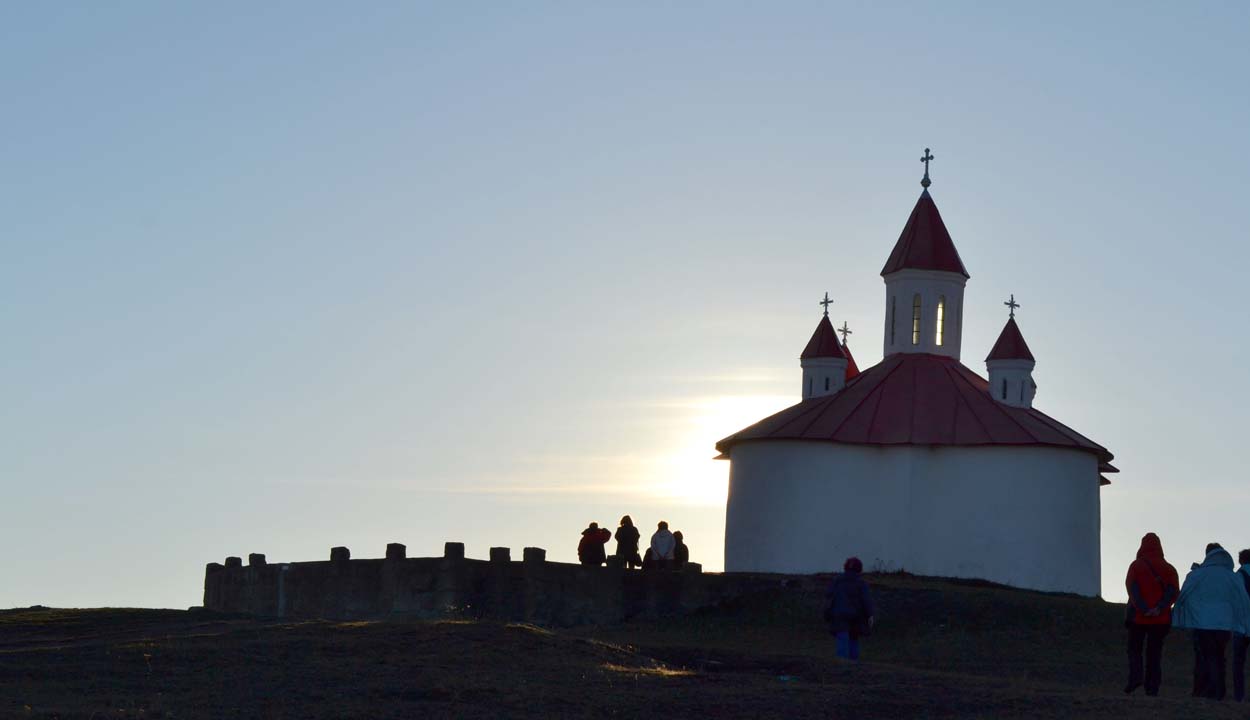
x=1022, y=516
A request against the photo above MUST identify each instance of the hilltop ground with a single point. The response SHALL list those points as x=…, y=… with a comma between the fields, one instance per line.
x=942, y=650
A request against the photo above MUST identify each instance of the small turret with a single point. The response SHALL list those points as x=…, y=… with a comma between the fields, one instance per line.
x=823, y=362
x=1010, y=365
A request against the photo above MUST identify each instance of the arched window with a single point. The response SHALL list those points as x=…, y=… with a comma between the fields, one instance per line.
x=941, y=318
x=1004, y=388
x=893, y=317
x=915, y=319
x=826, y=384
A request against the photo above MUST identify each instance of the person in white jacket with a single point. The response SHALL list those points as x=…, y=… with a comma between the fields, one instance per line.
x=662, y=544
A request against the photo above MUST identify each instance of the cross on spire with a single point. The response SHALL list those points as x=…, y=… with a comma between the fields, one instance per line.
x=925, y=183
x=845, y=330
x=1012, y=305
x=826, y=302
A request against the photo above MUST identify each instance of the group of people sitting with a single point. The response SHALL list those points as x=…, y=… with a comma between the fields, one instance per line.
x=1213, y=603
x=667, y=551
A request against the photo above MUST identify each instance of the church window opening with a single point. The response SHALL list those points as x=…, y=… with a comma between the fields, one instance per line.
x=826, y=384
x=1004, y=388
x=915, y=319
x=941, y=317
x=809, y=387
x=893, y=316
x=1021, y=393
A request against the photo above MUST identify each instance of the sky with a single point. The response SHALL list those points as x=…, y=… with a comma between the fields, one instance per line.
x=284, y=276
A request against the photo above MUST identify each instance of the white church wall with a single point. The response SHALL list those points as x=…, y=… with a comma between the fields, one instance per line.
x=1023, y=516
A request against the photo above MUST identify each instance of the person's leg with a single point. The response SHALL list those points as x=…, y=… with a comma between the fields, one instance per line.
x=843, y=644
x=854, y=648
x=1154, y=657
x=1240, y=644
x=1136, y=636
x=1200, y=666
x=1219, y=668
x=1212, y=646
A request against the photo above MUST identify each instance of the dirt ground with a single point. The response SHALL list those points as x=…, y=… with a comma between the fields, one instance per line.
x=942, y=650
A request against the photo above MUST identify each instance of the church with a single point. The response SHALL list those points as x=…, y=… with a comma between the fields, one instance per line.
x=918, y=463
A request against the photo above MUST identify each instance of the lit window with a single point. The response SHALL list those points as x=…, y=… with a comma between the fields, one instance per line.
x=915, y=319
x=941, y=317
x=893, y=317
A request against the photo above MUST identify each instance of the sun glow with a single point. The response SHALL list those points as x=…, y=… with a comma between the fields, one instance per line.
x=688, y=473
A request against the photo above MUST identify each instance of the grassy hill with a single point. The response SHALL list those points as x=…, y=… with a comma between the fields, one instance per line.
x=942, y=650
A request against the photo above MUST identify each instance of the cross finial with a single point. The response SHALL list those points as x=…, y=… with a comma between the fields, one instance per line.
x=826, y=302
x=925, y=182
x=845, y=330
x=1012, y=305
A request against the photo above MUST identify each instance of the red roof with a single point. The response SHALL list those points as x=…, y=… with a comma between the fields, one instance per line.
x=1010, y=344
x=851, y=368
x=824, y=342
x=925, y=244
x=916, y=399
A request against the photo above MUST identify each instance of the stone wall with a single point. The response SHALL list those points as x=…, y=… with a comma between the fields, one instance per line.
x=530, y=590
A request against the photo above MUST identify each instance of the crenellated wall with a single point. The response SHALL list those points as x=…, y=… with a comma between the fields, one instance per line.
x=530, y=590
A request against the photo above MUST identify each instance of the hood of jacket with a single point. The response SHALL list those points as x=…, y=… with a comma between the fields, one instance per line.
x=1151, y=548
x=1218, y=558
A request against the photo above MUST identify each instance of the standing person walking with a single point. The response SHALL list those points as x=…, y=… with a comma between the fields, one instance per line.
x=1213, y=603
x=1152, y=589
x=849, y=610
x=1240, y=642
x=627, y=537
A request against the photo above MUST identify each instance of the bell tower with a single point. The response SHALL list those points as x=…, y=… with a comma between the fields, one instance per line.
x=924, y=284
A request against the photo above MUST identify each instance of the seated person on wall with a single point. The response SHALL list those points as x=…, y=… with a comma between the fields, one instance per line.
x=681, y=553
x=662, y=544
x=648, y=560
x=627, y=537
x=590, y=550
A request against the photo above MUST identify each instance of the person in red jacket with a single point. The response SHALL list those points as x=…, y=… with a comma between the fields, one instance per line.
x=1152, y=586
x=590, y=550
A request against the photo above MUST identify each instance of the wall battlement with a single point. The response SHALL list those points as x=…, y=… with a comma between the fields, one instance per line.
x=529, y=590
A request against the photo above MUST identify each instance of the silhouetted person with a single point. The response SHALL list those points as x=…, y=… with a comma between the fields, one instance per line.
x=648, y=560
x=627, y=537
x=662, y=544
x=1152, y=589
x=849, y=610
x=590, y=550
x=681, y=553
x=1213, y=603
x=1241, y=642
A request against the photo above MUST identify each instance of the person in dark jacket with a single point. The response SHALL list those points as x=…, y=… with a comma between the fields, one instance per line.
x=681, y=553
x=849, y=610
x=1152, y=585
x=627, y=537
x=590, y=550
x=1241, y=642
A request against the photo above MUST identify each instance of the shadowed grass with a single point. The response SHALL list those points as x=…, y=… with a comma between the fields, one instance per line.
x=942, y=650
